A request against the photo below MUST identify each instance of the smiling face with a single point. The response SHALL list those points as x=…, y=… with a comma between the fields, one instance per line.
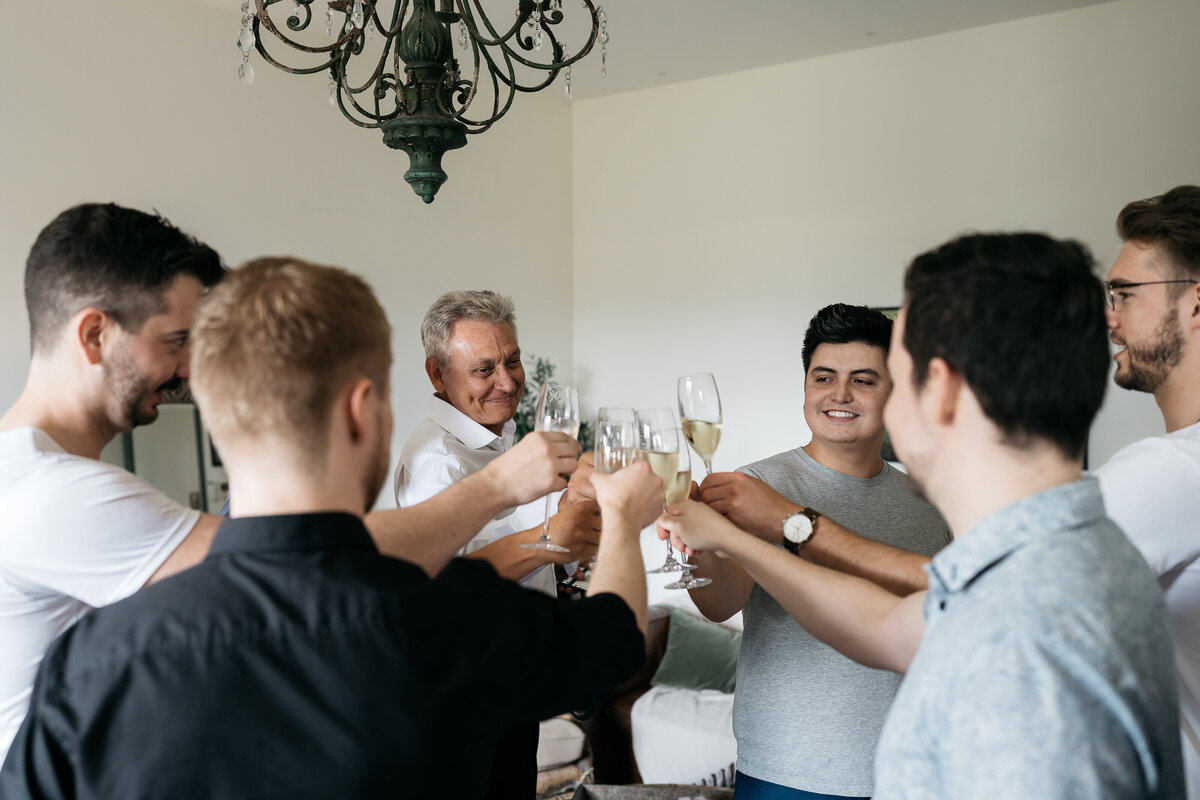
x=141, y=366
x=845, y=390
x=1145, y=322
x=483, y=376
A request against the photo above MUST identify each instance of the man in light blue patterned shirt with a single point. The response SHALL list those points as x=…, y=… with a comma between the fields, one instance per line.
x=1038, y=664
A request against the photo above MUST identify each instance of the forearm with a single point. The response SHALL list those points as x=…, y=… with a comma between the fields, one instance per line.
x=896, y=570
x=854, y=616
x=429, y=534
x=509, y=558
x=730, y=588
x=619, y=568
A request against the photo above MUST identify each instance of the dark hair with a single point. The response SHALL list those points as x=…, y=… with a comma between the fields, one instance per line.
x=842, y=324
x=115, y=259
x=1021, y=316
x=1170, y=222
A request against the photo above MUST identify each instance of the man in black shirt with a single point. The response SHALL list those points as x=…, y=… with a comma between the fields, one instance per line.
x=296, y=661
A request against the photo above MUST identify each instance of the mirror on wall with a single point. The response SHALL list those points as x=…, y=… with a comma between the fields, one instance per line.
x=175, y=455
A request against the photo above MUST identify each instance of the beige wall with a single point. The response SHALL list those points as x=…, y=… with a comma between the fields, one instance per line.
x=713, y=218
x=139, y=103
x=692, y=227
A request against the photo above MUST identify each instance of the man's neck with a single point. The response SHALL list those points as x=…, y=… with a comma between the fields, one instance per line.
x=858, y=460
x=63, y=417
x=974, y=484
x=1178, y=398
x=270, y=480
x=266, y=495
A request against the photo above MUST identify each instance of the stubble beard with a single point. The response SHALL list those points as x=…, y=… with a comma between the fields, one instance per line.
x=129, y=389
x=1147, y=367
x=378, y=474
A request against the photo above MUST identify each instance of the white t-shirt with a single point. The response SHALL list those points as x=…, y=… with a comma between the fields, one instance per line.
x=448, y=446
x=77, y=533
x=1152, y=491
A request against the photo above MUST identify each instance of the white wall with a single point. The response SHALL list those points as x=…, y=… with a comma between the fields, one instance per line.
x=713, y=218
x=139, y=103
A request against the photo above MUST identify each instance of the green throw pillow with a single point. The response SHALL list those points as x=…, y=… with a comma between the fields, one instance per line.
x=700, y=655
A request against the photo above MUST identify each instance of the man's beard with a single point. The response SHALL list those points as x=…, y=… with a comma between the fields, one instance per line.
x=1148, y=366
x=129, y=389
x=378, y=474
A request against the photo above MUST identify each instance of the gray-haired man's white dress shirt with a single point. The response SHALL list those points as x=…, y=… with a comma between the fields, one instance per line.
x=448, y=446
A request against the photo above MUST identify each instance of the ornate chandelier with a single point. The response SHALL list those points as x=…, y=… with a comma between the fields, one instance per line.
x=394, y=68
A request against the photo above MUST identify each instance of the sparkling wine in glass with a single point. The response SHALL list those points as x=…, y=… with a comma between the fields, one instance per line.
x=557, y=410
x=616, y=439
x=658, y=444
x=616, y=442
x=700, y=413
x=677, y=491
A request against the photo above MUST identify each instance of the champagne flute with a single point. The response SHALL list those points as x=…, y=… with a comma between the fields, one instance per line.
x=616, y=442
x=658, y=445
x=677, y=491
x=557, y=410
x=700, y=413
x=616, y=439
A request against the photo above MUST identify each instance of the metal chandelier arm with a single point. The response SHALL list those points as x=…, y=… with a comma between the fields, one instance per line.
x=264, y=18
x=415, y=68
x=526, y=43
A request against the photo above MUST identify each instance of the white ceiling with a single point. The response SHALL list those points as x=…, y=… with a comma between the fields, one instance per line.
x=656, y=42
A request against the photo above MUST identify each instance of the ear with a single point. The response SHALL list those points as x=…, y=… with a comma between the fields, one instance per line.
x=942, y=392
x=1192, y=307
x=434, y=370
x=90, y=329
x=360, y=418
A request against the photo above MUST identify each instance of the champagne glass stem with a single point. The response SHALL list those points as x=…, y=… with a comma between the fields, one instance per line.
x=546, y=524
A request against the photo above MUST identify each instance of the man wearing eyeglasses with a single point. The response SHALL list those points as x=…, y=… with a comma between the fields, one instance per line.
x=1151, y=486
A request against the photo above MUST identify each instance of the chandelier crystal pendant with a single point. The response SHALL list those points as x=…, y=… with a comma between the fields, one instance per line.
x=391, y=63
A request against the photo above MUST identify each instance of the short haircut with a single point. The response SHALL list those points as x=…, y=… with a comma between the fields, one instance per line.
x=1170, y=222
x=116, y=259
x=1021, y=317
x=276, y=341
x=438, y=324
x=843, y=324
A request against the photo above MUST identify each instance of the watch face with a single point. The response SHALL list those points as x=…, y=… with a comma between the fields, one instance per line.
x=797, y=527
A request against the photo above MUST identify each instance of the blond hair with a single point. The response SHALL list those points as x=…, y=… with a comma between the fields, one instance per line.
x=276, y=341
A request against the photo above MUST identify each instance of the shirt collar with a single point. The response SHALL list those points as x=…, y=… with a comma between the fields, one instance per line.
x=996, y=537
x=468, y=431
x=319, y=531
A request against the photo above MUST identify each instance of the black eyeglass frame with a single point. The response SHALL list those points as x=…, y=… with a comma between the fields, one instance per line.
x=1111, y=301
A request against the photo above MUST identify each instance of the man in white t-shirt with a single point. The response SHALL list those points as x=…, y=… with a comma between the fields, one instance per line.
x=473, y=360
x=1151, y=486
x=111, y=294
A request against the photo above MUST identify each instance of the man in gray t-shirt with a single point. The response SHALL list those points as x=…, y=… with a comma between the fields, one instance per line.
x=806, y=717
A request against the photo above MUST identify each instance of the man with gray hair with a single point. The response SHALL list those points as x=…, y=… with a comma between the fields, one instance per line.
x=474, y=363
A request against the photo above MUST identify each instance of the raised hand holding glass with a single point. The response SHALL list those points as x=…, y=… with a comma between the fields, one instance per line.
x=557, y=410
x=678, y=492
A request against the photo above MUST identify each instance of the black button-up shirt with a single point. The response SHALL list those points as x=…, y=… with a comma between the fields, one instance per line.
x=298, y=662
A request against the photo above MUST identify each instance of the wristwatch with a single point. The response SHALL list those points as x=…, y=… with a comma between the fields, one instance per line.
x=798, y=529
